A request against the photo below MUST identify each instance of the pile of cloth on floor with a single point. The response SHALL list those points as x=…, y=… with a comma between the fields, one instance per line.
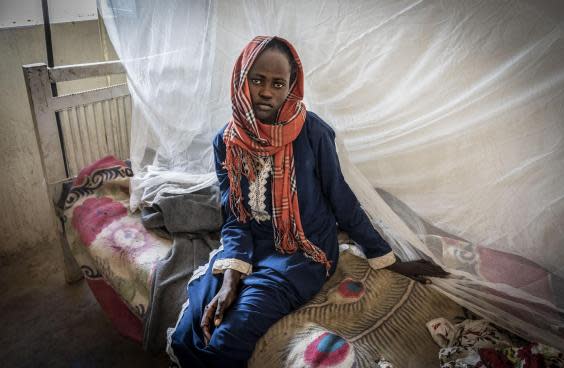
x=477, y=343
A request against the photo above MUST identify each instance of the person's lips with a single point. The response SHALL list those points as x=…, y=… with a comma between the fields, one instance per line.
x=263, y=107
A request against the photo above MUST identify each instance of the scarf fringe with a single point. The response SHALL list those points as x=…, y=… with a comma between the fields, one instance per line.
x=288, y=243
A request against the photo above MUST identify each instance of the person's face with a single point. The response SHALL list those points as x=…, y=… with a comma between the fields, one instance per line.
x=269, y=84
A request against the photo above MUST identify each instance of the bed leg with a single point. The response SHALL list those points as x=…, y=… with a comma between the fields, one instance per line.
x=71, y=267
x=72, y=270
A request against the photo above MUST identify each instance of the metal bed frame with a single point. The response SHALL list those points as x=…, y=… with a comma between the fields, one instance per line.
x=74, y=130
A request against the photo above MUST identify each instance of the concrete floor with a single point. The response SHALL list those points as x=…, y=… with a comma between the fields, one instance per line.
x=45, y=322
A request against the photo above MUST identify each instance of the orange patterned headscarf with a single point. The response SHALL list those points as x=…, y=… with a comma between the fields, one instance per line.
x=247, y=139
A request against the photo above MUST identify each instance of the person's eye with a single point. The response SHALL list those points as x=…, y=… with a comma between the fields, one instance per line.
x=255, y=81
x=278, y=85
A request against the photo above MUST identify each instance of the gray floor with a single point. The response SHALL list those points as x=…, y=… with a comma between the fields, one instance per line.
x=46, y=323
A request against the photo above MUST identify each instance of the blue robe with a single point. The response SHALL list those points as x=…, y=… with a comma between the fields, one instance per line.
x=275, y=284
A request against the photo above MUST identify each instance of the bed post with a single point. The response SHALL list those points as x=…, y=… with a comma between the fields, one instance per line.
x=52, y=162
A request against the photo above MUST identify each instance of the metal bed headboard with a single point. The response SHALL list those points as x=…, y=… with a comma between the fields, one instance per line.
x=76, y=129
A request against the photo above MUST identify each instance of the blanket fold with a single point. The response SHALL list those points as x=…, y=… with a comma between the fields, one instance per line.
x=193, y=221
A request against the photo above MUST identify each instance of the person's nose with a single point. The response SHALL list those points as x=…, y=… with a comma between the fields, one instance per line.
x=265, y=93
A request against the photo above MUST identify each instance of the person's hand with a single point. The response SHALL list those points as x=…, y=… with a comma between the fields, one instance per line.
x=418, y=270
x=220, y=303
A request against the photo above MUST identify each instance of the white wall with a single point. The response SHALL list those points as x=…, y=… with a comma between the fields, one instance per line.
x=18, y=13
x=26, y=222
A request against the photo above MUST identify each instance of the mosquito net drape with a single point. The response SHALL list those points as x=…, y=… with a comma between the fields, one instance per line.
x=449, y=114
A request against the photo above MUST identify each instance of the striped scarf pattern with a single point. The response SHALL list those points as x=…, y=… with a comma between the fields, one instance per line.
x=247, y=138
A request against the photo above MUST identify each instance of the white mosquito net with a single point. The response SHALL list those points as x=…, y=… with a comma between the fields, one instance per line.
x=449, y=114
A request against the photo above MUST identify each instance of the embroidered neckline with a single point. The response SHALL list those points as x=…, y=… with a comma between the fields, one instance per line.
x=257, y=190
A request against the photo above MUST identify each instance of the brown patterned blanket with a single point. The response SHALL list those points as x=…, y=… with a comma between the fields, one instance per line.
x=360, y=317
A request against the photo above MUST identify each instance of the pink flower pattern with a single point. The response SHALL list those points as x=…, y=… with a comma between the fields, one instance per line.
x=129, y=240
x=93, y=215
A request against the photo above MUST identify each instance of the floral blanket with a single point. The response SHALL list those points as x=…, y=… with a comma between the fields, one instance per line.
x=114, y=250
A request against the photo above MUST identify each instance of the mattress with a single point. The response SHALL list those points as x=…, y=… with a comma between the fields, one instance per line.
x=359, y=318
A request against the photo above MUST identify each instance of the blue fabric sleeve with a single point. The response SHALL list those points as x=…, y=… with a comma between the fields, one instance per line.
x=349, y=214
x=236, y=237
